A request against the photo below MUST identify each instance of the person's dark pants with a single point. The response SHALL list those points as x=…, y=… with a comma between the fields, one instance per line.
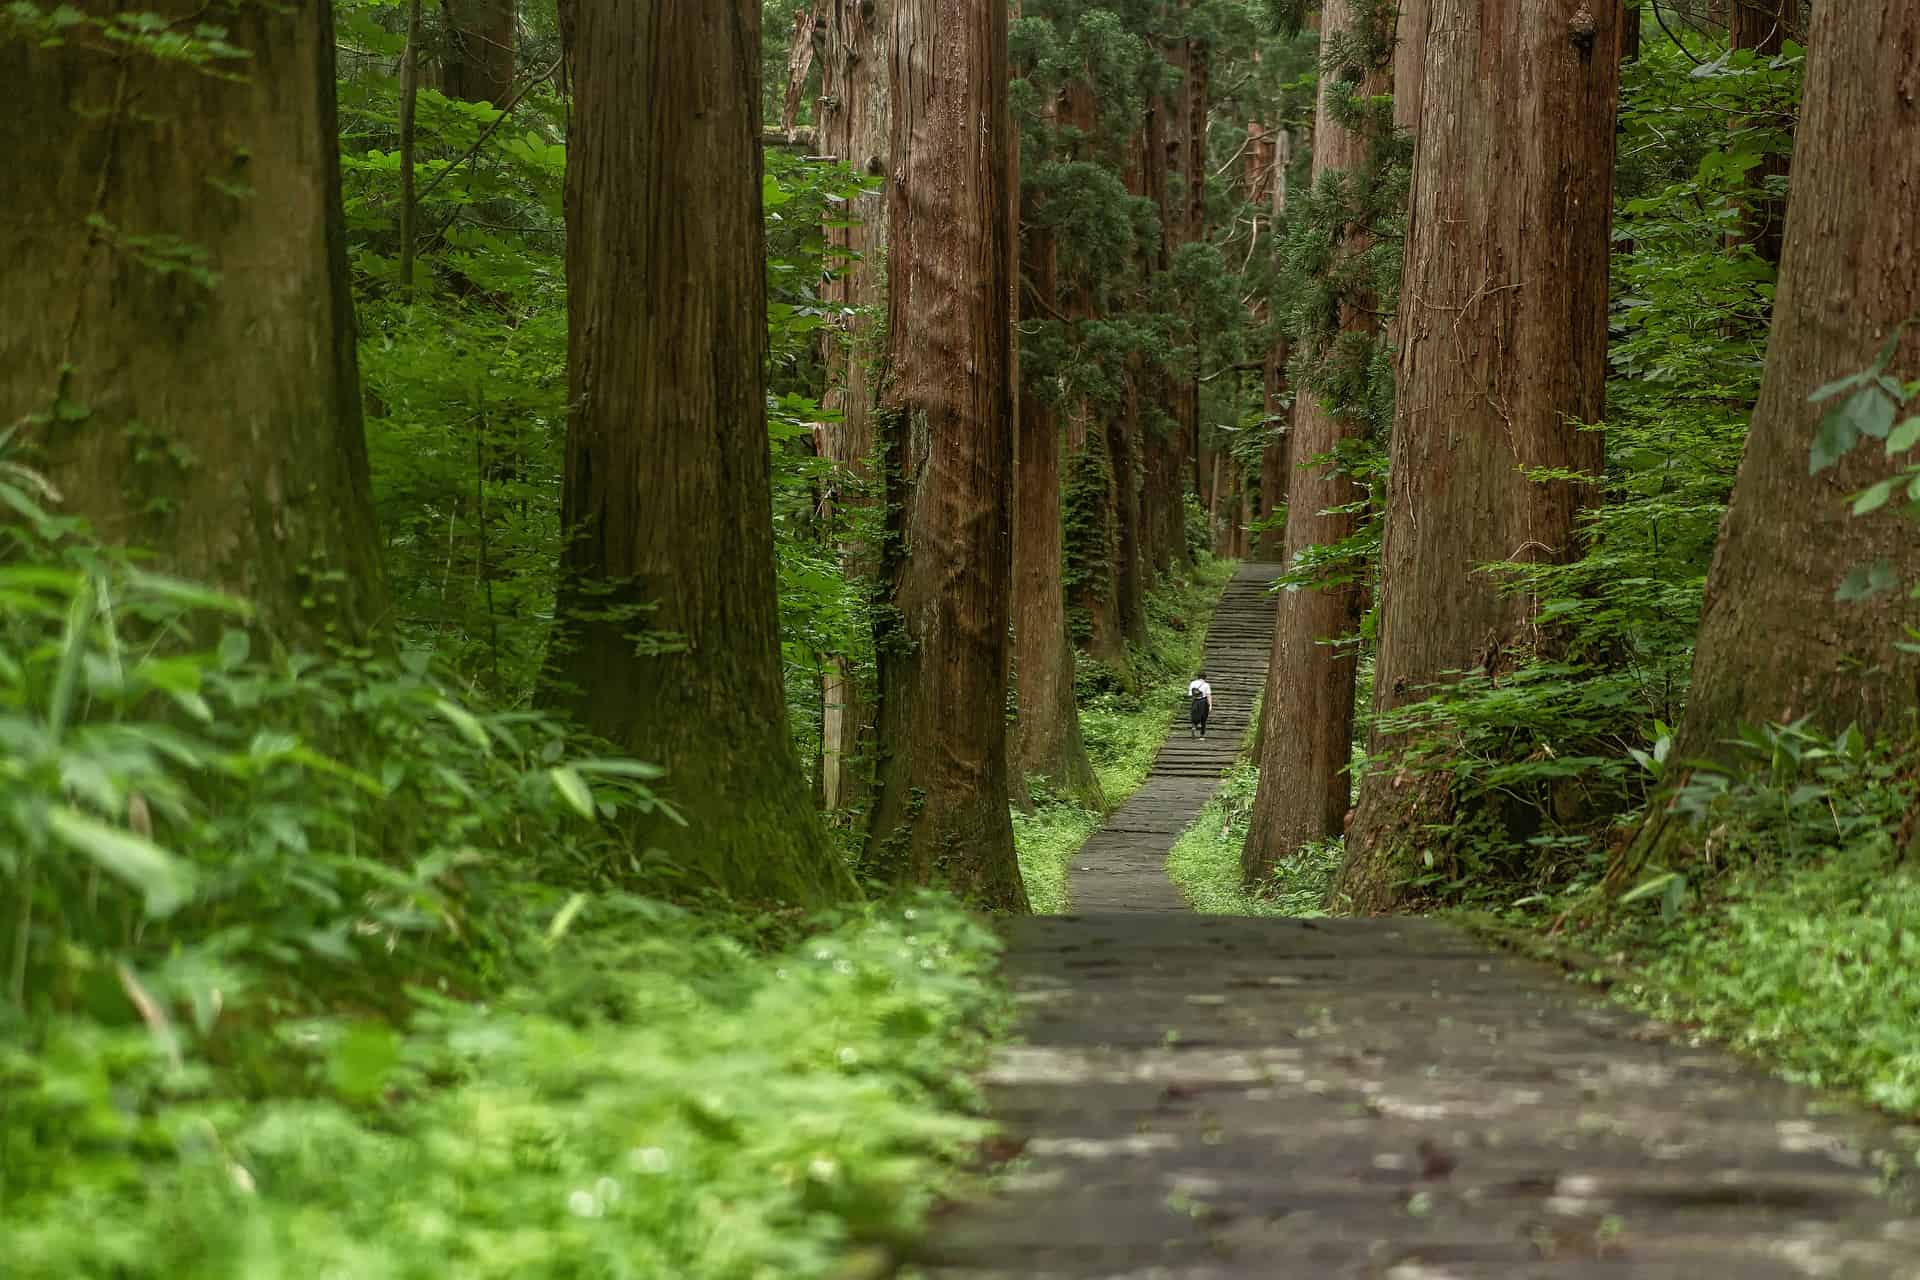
x=1199, y=716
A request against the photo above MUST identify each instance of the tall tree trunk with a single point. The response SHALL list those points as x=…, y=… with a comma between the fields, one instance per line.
x=854, y=125
x=1505, y=338
x=1090, y=498
x=477, y=65
x=1774, y=645
x=1126, y=454
x=1306, y=742
x=1764, y=26
x=1276, y=473
x=1046, y=736
x=666, y=497
x=940, y=813
x=178, y=318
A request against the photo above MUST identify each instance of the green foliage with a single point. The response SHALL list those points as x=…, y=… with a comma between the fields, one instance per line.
x=1797, y=897
x=314, y=966
x=657, y=1098
x=1046, y=840
x=1205, y=861
x=1539, y=750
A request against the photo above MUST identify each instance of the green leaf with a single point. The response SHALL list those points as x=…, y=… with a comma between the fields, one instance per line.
x=563, y=918
x=1873, y=498
x=1649, y=887
x=1866, y=581
x=573, y=789
x=621, y=768
x=466, y=722
x=163, y=879
x=186, y=594
x=1904, y=436
x=1870, y=412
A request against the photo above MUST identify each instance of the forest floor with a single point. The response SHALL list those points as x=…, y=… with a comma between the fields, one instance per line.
x=1202, y=1097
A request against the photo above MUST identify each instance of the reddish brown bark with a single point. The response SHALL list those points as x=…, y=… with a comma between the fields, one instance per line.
x=1046, y=736
x=940, y=810
x=667, y=456
x=1774, y=644
x=178, y=327
x=854, y=123
x=1306, y=739
x=1503, y=327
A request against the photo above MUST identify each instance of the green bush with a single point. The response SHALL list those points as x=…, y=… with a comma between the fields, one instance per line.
x=313, y=967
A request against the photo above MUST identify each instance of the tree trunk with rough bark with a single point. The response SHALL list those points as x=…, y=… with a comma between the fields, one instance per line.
x=179, y=329
x=1046, y=735
x=940, y=810
x=1774, y=644
x=666, y=496
x=1503, y=326
x=854, y=125
x=1306, y=742
x=481, y=44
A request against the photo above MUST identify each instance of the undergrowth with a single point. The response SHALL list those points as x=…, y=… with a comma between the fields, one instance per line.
x=1123, y=725
x=1205, y=861
x=1790, y=924
x=315, y=967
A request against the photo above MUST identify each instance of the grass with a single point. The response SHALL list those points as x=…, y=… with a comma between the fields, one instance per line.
x=663, y=1098
x=1205, y=861
x=1123, y=724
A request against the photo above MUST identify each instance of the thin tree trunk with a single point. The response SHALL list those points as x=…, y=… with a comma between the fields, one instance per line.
x=178, y=318
x=1306, y=739
x=1774, y=644
x=409, y=99
x=666, y=497
x=1504, y=332
x=940, y=812
x=855, y=125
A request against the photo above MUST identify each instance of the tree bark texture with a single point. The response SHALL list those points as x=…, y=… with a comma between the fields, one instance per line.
x=854, y=125
x=1046, y=735
x=481, y=44
x=1503, y=325
x=940, y=812
x=667, y=495
x=1774, y=645
x=178, y=309
x=1306, y=744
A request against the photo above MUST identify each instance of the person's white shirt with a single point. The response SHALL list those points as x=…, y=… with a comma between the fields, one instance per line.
x=1200, y=688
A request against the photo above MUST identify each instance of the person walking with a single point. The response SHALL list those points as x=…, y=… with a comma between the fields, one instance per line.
x=1199, y=705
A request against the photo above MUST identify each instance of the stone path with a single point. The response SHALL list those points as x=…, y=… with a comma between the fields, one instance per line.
x=1218, y=1098
x=1122, y=866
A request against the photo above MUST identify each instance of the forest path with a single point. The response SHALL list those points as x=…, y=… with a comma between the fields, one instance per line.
x=1224, y=1098
x=1123, y=865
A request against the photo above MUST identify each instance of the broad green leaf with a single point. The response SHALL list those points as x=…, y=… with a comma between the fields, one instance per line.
x=1873, y=498
x=466, y=722
x=164, y=880
x=573, y=789
x=1866, y=581
x=1904, y=436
